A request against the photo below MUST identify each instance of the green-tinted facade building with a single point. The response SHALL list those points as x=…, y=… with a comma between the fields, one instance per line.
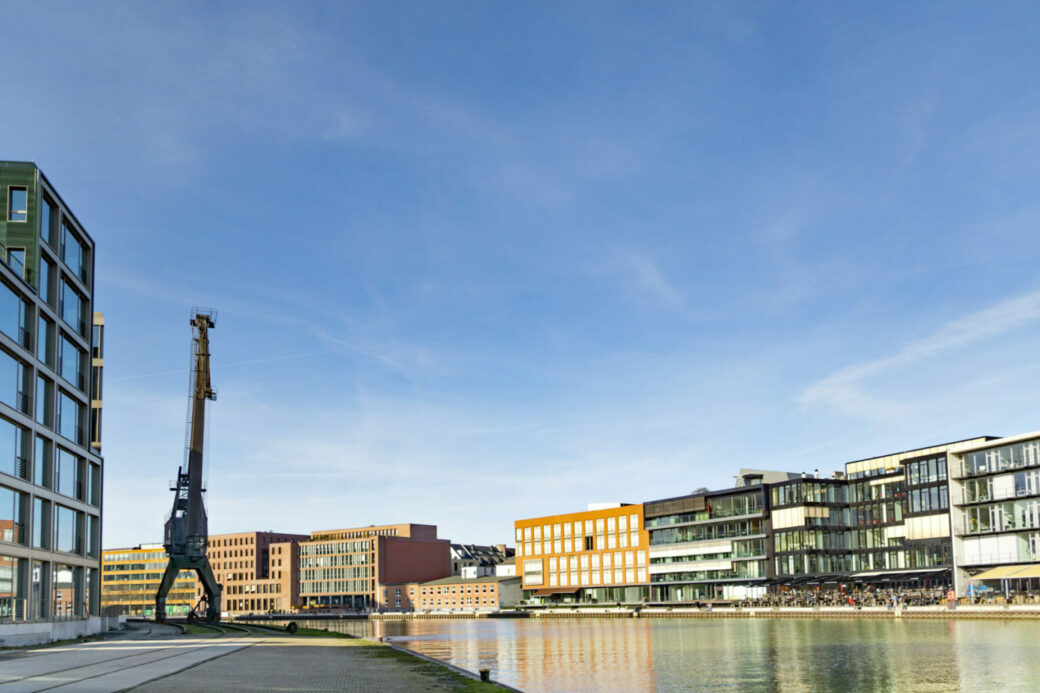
x=50, y=410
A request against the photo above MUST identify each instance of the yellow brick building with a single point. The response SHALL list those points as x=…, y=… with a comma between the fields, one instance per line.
x=130, y=578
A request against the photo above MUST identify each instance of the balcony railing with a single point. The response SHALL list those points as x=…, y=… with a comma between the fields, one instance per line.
x=1000, y=558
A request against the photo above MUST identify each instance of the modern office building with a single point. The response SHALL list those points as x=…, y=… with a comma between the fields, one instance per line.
x=352, y=568
x=50, y=397
x=259, y=571
x=130, y=578
x=598, y=556
x=711, y=545
x=995, y=493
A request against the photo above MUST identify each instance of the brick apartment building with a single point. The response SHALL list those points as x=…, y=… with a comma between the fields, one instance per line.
x=258, y=570
x=353, y=568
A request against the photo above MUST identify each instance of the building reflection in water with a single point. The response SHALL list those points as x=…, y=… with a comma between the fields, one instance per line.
x=793, y=655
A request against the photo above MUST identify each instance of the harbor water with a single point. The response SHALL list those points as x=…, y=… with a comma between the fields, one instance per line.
x=786, y=655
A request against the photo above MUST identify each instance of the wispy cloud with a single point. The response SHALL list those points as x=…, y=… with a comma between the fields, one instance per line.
x=846, y=388
x=642, y=274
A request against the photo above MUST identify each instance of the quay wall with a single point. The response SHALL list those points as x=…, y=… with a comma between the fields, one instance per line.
x=913, y=612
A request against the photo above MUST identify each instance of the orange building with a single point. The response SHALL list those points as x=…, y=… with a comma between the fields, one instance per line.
x=258, y=571
x=596, y=556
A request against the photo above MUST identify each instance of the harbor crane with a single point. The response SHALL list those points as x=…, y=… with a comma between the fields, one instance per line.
x=186, y=533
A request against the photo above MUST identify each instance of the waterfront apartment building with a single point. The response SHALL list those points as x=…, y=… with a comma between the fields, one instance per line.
x=50, y=397
x=600, y=555
x=258, y=571
x=352, y=568
x=130, y=578
x=995, y=493
x=713, y=544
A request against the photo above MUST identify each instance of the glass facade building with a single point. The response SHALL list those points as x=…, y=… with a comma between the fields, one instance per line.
x=50, y=466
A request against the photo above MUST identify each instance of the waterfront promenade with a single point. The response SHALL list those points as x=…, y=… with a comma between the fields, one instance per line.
x=154, y=658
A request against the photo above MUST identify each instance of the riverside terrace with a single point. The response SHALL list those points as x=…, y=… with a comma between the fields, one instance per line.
x=882, y=523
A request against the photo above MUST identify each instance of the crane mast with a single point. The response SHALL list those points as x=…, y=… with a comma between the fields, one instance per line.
x=186, y=533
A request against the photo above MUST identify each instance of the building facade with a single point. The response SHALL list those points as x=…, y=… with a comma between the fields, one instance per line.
x=596, y=556
x=351, y=568
x=130, y=578
x=50, y=398
x=458, y=593
x=475, y=555
x=711, y=545
x=995, y=492
x=257, y=570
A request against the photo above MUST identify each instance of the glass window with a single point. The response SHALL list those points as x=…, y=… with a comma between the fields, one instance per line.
x=69, y=417
x=42, y=463
x=71, y=307
x=12, y=377
x=45, y=341
x=16, y=260
x=41, y=524
x=67, y=479
x=17, y=203
x=70, y=362
x=14, y=314
x=47, y=216
x=12, y=455
x=12, y=511
x=46, y=289
x=44, y=400
x=64, y=600
x=72, y=252
x=94, y=485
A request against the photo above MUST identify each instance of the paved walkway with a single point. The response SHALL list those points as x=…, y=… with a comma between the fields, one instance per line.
x=311, y=664
x=146, y=652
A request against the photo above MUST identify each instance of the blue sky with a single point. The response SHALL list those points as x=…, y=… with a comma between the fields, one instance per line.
x=476, y=262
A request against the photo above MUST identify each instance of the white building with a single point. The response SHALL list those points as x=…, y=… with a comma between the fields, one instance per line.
x=995, y=506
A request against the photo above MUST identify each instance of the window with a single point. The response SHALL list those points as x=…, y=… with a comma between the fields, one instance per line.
x=48, y=214
x=533, y=572
x=72, y=252
x=45, y=341
x=67, y=479
x=12, y=383
x=69, y=415
x=72, y=307
x=46, y=289
x=17, y=203
x=12, y=450
x=94, y=487
x=41, y=524
x=12, y=511
x=70, y=362
x=16, y=261
x=44, y=401
x=14, y=314
x=42, y=463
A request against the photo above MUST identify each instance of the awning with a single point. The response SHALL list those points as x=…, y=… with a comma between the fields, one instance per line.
x=1029, y=571
x=556, y=590
x=1001, y=571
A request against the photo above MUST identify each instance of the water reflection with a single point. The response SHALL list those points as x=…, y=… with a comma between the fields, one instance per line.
x=782, y=655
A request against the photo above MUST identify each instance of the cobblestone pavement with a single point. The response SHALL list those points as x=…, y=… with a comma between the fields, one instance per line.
x=311, y=664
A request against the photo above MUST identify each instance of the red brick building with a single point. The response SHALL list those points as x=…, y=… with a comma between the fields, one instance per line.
x=364, y=567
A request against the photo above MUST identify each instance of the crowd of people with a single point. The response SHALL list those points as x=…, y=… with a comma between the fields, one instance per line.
x=812, y=597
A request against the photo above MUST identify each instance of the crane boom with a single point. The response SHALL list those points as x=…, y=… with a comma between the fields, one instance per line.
x=186, y=533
